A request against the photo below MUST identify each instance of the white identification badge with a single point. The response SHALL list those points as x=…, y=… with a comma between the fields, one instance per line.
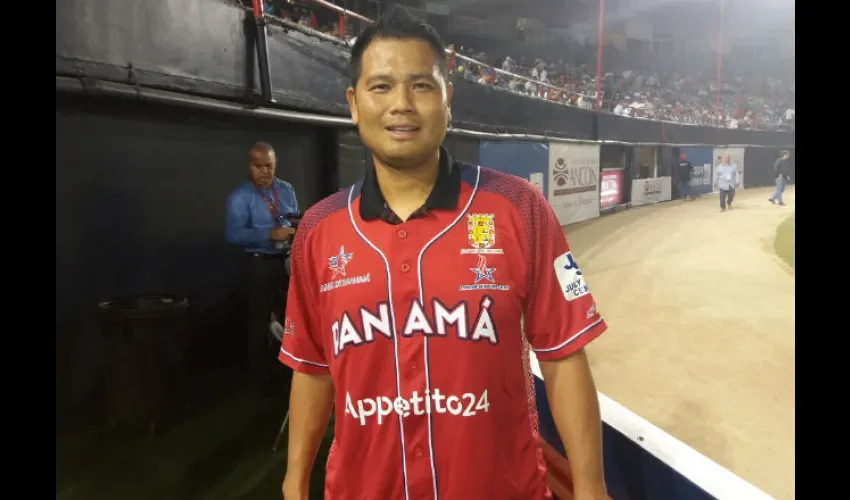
x=570, y=277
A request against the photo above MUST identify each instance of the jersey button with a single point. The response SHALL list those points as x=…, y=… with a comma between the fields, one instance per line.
x=417, y=452
x=402, y=233
x=405, y=267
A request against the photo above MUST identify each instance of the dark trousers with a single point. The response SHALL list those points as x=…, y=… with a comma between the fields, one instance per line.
x=684, y=188
x=266, y=284
x=726, y=197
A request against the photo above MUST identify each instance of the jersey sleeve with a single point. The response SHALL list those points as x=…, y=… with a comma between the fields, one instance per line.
x=302, y=348
x=560, y=315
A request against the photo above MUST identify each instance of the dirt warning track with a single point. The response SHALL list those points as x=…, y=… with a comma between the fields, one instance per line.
x=701, y=327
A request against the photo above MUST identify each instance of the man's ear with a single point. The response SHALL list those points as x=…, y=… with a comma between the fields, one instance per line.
x=352, y=104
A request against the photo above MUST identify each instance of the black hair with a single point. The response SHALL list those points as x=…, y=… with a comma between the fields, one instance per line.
x=400, y=24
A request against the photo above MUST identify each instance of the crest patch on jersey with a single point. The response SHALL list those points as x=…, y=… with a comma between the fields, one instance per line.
x=570, y=277
x=482, y=234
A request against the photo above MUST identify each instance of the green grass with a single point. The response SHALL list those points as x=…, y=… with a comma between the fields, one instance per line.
x=784, y=243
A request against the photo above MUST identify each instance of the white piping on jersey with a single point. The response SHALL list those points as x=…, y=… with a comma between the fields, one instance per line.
x=395, y=334
x=302, y=361
x=422, y=302
x=571, y=339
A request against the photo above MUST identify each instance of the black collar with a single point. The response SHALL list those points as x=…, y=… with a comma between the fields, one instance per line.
x=445, y=194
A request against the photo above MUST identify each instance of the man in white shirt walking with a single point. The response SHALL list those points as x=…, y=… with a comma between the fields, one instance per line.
x=726, y=180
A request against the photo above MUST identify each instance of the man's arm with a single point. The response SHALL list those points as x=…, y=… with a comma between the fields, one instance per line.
x=780, y=168
x=575, y=409
x=303, y=350
x=561, y=318
x=310, y=405
x=238, y=228
x=294, y=198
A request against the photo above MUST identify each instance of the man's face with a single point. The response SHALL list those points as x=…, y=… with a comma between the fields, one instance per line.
x=401, y=102
x=263, y=164
x=726, y=160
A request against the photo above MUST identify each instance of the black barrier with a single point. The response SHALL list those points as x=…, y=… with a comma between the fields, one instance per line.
x=462, y=148
x=673, y=133
x=167, y=44
x=623, y=129
x=508, y=112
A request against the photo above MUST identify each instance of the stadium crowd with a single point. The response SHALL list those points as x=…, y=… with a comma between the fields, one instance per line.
x=748, y=102
x=755, y=102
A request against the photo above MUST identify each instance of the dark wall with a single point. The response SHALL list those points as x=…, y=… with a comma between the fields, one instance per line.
x=140, y=204
x=353, y=158
x=205, y=47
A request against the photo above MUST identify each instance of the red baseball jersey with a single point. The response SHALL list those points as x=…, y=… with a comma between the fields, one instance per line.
x=425, y=328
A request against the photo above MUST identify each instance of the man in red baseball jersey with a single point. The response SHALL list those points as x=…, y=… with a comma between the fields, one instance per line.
x=414, y=300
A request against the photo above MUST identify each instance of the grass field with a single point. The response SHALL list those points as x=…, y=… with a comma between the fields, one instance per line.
x=784, y=243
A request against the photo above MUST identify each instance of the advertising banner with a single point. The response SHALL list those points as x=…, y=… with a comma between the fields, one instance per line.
x=701, y=177
x=736, y=155
x=574, y=181
x=651, y=190
x=528, y=160
x=610, y=188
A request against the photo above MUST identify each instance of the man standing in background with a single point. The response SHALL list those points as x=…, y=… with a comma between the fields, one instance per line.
x=726, y=179
x=257, y=221
x=685, y=171
x=781, y=168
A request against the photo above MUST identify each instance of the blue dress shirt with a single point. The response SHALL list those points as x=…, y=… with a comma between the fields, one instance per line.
x=249, y=221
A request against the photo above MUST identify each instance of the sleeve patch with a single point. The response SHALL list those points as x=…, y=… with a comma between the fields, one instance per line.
x=570, y=277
